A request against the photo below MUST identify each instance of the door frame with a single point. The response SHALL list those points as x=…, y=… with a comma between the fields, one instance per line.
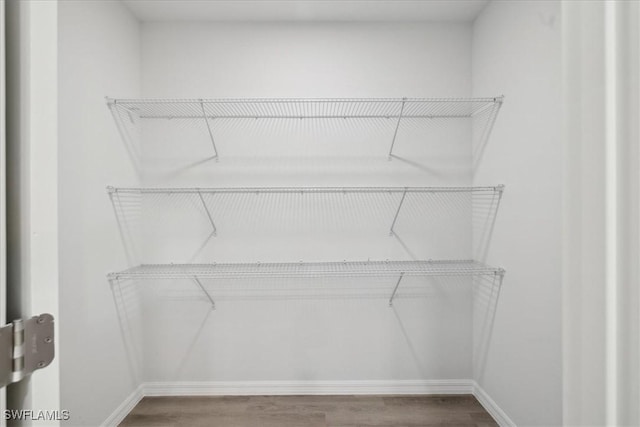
x=3, y=197
x=601, y=230
x=32, y=177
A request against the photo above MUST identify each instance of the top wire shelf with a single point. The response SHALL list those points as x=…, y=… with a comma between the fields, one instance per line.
x=302, y=190
x=298, y=108
x=216, y=116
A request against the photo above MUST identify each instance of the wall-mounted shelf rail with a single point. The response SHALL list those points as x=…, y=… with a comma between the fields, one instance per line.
x=398, y=269
x=397, y=109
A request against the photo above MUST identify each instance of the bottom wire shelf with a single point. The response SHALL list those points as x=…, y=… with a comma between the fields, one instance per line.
x=309, y=269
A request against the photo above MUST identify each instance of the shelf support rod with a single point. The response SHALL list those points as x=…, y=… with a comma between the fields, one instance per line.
x=206, y=209
x=213, y=304
x=395, y=133
x=395, y=218
x=395, y=289
x=206, y=120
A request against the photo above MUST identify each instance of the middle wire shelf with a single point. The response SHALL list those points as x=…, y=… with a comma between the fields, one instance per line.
x=438, y=214
x=392, y=199
x=350, y=269
x=309, y=269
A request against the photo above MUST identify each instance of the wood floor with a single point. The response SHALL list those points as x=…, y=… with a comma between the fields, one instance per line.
x=310, y=411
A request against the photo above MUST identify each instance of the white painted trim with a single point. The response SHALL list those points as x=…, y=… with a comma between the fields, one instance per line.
x=3, y=197
x=238, y=388
x=40, y=286
x=317, y=388
x=612, y=187
x=31, y=65
x=601, y=243
x=584, y=240
x=125, y=407
x=492, y=407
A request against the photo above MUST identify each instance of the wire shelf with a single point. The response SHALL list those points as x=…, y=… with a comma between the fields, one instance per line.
x=297, y=108
x=418, y=218
x=218, y=120
x=309, y=269
x=304, y=190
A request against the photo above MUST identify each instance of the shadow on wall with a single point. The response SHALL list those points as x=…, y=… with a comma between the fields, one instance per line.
x=126, y=297
x=485, y=295
x=178, y=295
x=482, y=125
x=486, y=291
x=129, y=133
x=485, y=209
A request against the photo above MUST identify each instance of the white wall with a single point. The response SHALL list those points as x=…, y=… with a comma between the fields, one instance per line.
x=317, y=337
x=99, y=56
x=305, y=60
x=314, y=337
x=516, y=51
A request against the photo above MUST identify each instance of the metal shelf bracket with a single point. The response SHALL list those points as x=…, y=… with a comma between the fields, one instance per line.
x=206, y=209
x=25, y=346
x=199, y=283
x=395, y=218
x=395, y=133
x=206, y=120
x=395, y=290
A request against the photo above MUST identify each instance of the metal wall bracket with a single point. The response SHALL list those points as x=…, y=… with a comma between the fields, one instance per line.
x=206, y=121
x=25, y=346
x=206, y=209
x=395, y=289
x=199, y=283
x=395, y=133
x=395, y=218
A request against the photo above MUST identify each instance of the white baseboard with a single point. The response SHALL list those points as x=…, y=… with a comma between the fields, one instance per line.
x=239, y=388
x=248, y=388
x=125, y=407
x=492, y=407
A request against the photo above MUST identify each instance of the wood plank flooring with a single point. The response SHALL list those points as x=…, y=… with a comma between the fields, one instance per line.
x=310, y=411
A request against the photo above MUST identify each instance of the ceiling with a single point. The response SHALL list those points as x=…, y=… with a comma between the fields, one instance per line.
x=307, y=10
